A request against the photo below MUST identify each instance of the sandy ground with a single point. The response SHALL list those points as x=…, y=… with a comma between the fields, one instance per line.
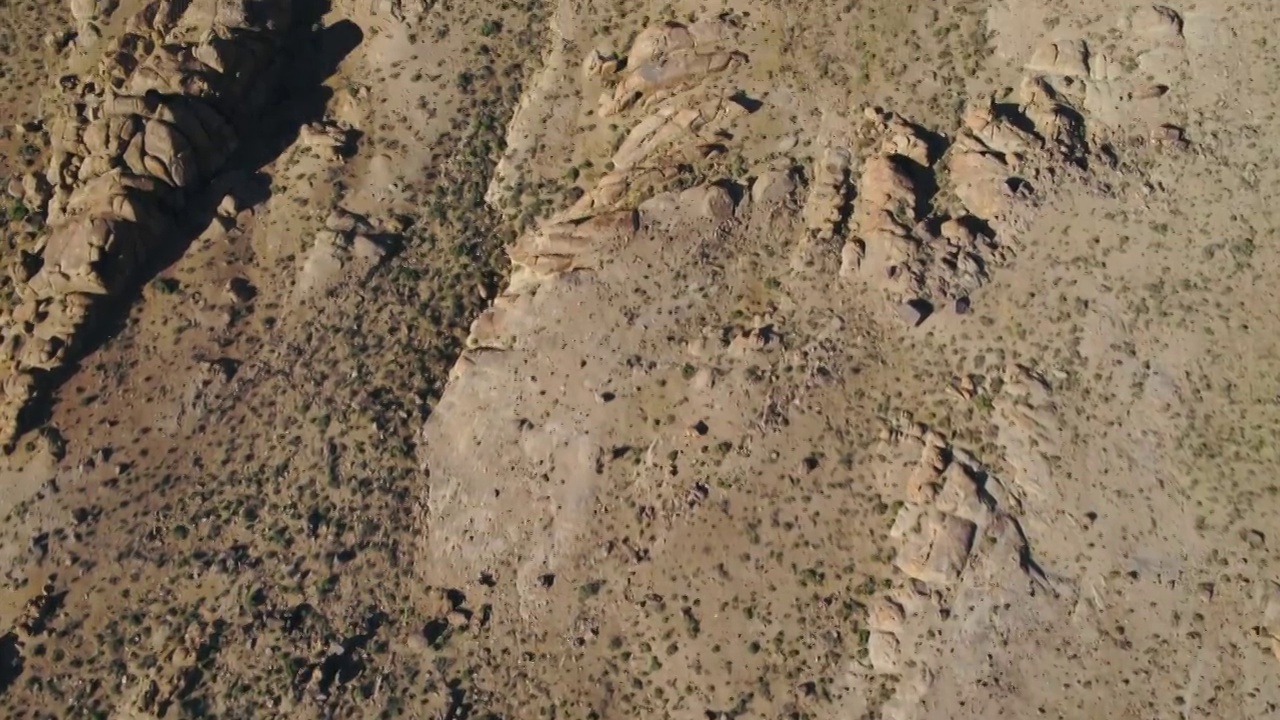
x=728, y=360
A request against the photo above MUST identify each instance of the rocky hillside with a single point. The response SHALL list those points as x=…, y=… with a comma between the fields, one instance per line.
x=555, y=359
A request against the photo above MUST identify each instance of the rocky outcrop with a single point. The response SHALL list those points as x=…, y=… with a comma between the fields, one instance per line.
x=537, y=258
x=174, y=674
x=926, y=257
x=827, y=204
x=328, y=139
x=680, y=133
x=677, y=131
x=1066, y=74
x=667, y=56
x=150, y=127
x=956, y=532
x=899, y=242
x=684, y=125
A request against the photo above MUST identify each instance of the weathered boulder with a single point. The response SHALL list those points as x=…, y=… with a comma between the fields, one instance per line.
x=883, y=651
x=599, y=63
x=996, y=132
x=773, y=186
x=713, y=202
x=935, y=547
x=329, y=139
x=980, y=178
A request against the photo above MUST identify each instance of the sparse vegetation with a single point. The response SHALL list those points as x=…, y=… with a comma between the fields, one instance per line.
x=691, y=470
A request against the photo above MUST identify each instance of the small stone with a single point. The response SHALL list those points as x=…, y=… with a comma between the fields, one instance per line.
x=365, y=248
x=773, y=186
x=962, y=306
x=1150, y=92
x=219, y=229
x=717, y=203
x=1206, y=591
x=1256, y=539
x=1168, y=134
x=398, y=224
x=914, y=312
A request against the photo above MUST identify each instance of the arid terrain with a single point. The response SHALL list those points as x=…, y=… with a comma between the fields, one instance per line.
x=449, y=359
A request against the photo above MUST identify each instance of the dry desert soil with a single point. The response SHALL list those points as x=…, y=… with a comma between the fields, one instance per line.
x=445, y=359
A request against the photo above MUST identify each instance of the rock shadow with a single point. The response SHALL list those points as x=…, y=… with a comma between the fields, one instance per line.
x=10, y=661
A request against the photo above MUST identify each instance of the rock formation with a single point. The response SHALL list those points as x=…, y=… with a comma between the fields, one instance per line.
x=957, y=534
x=925, y=256
x=150, y=127
x=685, y=124
x=826, y=206
x=669, y=55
